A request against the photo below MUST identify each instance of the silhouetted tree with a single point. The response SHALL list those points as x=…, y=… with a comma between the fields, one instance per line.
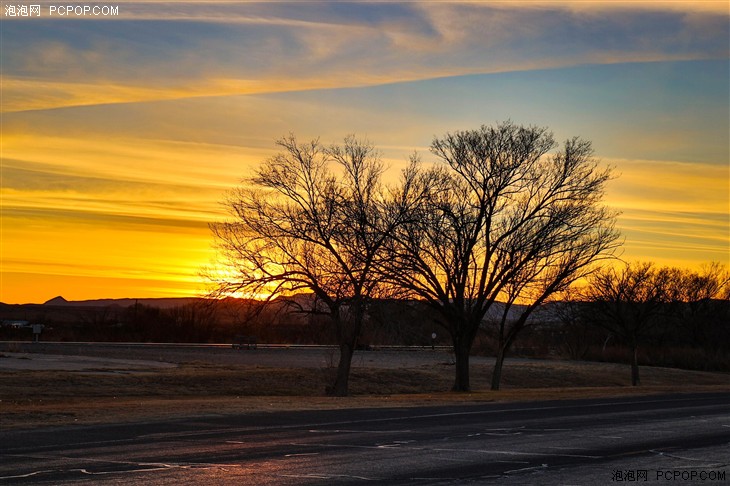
x=193, y=322
x=300, y=226
x=503, y=219
x=575, y=335
x=627, y=302
x=700, y=304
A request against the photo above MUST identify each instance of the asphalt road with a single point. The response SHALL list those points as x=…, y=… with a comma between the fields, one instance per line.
x=556, y=442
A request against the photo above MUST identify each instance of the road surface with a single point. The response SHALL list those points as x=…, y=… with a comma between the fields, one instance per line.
x=682, y=437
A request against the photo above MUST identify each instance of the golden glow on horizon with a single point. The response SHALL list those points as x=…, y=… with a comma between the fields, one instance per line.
x=218, y=273
x=109, y=218
x=118, y=144
x=92, y=243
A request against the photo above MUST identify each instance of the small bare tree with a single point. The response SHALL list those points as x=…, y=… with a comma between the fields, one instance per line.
x=699, y=303
x=313, y=220
x=627, y=302
x=575, y=332
x=503, y=219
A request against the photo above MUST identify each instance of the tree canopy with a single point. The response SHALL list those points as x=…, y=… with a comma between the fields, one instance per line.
x=508, y=220
x=505, y=214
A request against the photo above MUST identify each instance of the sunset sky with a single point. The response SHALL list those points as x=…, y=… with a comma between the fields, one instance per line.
x=121, y=134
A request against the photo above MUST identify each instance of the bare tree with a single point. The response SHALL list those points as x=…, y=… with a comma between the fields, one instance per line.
x=299, y=226
x=699, y=303
x=575, y=335
x=542, y=278
x=628, y=301
x=504, y=220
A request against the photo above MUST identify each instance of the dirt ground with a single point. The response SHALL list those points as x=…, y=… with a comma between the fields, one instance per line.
x=52, y=385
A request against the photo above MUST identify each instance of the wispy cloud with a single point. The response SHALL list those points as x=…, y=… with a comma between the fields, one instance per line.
x=674, y=213
x=226, y=48
x=324, y=12
x=671, y=187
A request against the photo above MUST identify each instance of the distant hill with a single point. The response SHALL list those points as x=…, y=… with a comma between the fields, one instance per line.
x=56, y=301
x=546, y=312
x=162, y=303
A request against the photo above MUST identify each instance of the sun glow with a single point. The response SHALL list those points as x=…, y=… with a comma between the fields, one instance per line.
x=223, y=282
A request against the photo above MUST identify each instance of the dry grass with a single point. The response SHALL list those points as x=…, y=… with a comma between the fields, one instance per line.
x=35, y=398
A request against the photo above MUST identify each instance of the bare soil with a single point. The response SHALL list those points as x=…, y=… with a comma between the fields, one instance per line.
x=203, y=383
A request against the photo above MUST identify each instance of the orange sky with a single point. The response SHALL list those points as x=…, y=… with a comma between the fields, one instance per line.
x=120, y=136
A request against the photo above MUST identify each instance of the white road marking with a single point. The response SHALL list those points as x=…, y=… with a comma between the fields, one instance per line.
x=126, y=471
x=450, y=459
x=351, y=431
x=513, y=453
x=692, y=459
x=140, y=466
x=328, y=476
x=30, y=474
x=542, y=466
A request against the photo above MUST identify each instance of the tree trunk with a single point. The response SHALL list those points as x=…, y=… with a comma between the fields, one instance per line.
x=461, y=352
x=340, y=386
x=497, y=372
x=635, y=381
x=348, y=333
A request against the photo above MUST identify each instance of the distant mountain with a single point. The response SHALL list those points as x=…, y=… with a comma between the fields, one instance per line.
x=56, y=301
x=162, y=303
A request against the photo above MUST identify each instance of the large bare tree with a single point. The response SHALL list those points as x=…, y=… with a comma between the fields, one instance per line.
x=313, y=219
x=505, y=220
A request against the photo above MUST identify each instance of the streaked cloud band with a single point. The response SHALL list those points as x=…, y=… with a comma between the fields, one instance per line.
x=238, y=48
